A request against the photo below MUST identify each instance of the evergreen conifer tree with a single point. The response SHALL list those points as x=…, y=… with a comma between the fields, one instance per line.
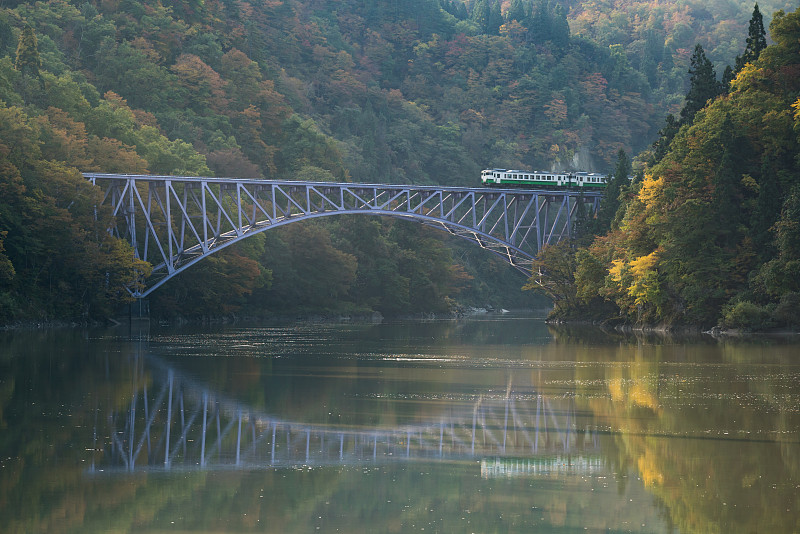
x=703, y=85
x=665, y=136
x=756, y=40
x=560, y=30
x=518, y=11
x=495, y=19
x=727, y=77
x=28, y=61
x=582, y=227
x=727, y=196
x=6, y=35
x=480, y=14
x=767, y=209
x=611, y=198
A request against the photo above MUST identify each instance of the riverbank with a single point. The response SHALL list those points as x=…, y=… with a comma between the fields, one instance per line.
x=672, y=330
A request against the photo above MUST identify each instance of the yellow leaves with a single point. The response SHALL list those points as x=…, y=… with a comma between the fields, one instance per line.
x=616, y=270
x=650, y=191
x=637, y=268
x=796, y=107
x=749, y=184
x=637, y=279
x=640, y=266
x=645, y=287
x=750, y=76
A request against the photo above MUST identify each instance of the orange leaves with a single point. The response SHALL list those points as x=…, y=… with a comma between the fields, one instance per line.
x=205, y=86
x=556, y=110
x=111, y=155
x=64, y=138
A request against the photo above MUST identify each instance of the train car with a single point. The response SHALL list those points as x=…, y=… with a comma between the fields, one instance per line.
x=543, y=179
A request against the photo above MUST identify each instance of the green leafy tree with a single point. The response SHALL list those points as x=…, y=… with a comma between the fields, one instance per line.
x=554, y=274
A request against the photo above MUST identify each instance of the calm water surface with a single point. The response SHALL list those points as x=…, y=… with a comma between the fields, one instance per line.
x=494, y=424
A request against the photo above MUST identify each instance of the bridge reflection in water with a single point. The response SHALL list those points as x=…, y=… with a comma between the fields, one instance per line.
x=175, y=423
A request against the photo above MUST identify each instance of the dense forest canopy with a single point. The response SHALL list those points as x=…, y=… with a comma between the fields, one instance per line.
x=710, y=234
x=403, y=91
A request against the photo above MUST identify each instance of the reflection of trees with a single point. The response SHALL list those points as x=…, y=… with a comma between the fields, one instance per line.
x=587, y=333
x=716, y=441
x=662, y=411
x=60, y=386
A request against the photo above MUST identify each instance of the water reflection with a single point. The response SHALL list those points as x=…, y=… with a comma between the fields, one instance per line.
x=487, y=425
x=174, y=422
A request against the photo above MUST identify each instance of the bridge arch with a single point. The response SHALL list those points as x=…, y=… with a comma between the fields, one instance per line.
x=176, y=221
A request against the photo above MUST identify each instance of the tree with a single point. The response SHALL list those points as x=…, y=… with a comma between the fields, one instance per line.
x=665, y=136
x=554, y=274
x=30, y=84
x=611, y=199
x=495, y=19
x=756, y=40
x=6, y=35
x=582, y=227
x=781, y=275
x=28, y=61
x=727, y=197
x=519, y=11
x=703, y=85
x=481, y=13
x=487, y=15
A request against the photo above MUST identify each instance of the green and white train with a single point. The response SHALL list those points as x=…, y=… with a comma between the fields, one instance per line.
x=547, y=180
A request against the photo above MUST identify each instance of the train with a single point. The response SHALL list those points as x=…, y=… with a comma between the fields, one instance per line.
x=542, y=179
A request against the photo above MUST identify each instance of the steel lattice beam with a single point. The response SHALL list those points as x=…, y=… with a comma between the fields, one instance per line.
x=175, y=221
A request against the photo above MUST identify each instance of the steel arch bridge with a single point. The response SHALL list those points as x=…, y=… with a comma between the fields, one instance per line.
x=175, y=221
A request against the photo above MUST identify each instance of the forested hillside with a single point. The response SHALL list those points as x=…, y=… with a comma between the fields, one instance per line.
x=404, y=91
x=711, y=234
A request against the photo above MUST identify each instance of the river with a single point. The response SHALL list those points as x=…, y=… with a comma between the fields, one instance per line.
x=488, y=424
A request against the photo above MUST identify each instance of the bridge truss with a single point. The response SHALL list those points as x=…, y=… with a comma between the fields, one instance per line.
x=175, y=221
